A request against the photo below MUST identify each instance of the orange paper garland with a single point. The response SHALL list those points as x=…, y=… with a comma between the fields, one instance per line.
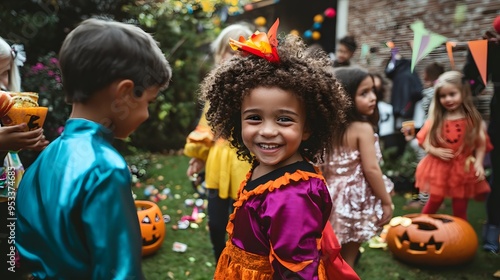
x=479, y=51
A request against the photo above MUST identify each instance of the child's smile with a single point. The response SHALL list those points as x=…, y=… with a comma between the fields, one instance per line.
x=273, y=126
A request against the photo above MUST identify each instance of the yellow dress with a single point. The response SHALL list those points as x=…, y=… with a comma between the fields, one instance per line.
x=224, y=171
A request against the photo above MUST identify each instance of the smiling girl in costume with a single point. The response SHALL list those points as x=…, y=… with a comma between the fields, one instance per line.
x=281, y=107
x=455, y=140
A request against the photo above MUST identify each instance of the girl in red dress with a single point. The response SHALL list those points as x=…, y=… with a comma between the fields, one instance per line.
x=455, y=141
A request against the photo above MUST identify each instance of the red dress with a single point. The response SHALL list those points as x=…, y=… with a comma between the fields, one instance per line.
x=454, y=178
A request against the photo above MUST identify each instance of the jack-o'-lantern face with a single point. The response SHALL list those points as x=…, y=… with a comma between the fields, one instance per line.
x=433, y=239
x=152, y=226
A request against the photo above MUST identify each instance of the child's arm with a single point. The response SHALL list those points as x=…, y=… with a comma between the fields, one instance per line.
x=198, y=144
x=479, y=153
x=14, y=138
x=371, y=167
x=111, y=226
x=424, y=142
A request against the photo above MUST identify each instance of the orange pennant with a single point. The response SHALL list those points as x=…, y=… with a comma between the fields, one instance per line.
x=449, y=46
x=479, y=51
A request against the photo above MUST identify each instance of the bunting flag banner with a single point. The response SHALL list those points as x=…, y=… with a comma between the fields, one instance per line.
x=449, y=50
x=424, y=42
x=365, y=51
x=479, y=51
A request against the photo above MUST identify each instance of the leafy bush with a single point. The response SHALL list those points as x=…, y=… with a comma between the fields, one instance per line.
x=184, y=29
x=402, y=166
x=44, y=77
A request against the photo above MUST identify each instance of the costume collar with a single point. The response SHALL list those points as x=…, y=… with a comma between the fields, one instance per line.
x=76, y=127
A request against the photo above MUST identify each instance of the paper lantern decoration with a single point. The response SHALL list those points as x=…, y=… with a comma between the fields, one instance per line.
x=330, y=12
x=318, y=18
x=496, y=24
x=317, y=25
x=316, y=35
x=433, y=240
x=308, y=34
x=152, y=226
x=295, y=32
x=260, y=21
x=248, y=7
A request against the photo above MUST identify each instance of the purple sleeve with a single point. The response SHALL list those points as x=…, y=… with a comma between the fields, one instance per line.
x=296, y=215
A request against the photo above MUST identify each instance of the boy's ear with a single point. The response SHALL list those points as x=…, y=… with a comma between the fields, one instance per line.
x=124, y=88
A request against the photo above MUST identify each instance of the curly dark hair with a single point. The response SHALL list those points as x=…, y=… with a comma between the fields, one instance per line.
x=308, y=74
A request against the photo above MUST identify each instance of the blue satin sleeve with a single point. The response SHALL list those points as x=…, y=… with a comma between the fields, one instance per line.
x=76, y=218
x=111, y=226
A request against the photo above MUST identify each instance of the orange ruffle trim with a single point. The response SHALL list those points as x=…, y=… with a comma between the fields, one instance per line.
x=235, y=263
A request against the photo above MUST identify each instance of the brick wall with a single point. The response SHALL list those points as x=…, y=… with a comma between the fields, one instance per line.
x=376, y=22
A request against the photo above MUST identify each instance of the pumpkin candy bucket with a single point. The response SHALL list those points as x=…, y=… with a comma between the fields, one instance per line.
x=34, y=117
x=432, y=239
x=152, y=226
x=24, y=109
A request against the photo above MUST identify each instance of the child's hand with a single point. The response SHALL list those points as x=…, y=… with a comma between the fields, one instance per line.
x=40, y=145
x=388, y=209
x=442, y=153
x=478, y=166
x=195, y=166
x=407, y=133
x=14, y=138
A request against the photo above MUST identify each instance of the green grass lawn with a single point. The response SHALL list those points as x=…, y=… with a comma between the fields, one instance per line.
x=168, y=171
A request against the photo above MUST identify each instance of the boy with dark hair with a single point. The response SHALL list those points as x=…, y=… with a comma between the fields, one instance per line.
x=431, y=74
x=345, y=50
x=76, y=217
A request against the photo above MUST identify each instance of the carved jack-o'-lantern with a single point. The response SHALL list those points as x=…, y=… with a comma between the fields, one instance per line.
x=434, y=239
x=152, y=226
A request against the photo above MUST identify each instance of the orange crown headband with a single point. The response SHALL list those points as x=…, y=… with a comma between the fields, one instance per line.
x=260, y=44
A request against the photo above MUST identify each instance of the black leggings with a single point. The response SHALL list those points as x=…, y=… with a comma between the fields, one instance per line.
x=493, y=201
x=218, y=215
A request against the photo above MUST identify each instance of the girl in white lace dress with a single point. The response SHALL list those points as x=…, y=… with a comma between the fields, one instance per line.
x=360, y=192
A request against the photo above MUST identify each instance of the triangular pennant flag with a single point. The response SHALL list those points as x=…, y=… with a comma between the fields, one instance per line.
x=418, y=31
x=423, y=45
x=449, y=46
x=435, y=41
x=479, y=51
x=365, y=50
x=424, y=42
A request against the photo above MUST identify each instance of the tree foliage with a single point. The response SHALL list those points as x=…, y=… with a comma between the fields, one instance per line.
x=183, y=28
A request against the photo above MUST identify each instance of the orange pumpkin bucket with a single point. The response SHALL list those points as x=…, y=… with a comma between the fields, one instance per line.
x=34, y=117
x=152, y=226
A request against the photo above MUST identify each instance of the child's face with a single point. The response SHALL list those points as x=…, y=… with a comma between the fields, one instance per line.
x=450, y=97
x=273, y=126
x=343, y=54
x=4, y=73
x=133, y=112
x=365, y=99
